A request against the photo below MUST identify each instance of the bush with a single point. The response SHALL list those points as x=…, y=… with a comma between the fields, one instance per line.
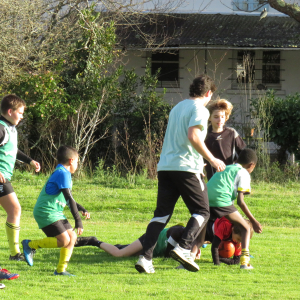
x=283, y=128
x=277, y=173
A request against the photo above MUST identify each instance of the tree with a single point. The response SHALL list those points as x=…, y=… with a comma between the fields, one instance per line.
x=36, y=33
x=290, y=9
x=61, y=57
x=283, y=127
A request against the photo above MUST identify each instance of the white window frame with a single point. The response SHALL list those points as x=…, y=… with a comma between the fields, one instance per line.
x=248, y=5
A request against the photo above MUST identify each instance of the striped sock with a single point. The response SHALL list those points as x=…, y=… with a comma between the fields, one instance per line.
x=12, y=232
x=245, y=257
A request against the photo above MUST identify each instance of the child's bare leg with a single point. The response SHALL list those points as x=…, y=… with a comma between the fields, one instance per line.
x=132, y=249
x=66, y=239
x=11, y=205
x=236, y=217
x=245, y=235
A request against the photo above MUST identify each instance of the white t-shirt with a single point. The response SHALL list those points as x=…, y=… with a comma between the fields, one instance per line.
x=178, y=154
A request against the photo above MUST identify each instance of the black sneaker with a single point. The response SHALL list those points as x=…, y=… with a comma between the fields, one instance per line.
x=17, y=257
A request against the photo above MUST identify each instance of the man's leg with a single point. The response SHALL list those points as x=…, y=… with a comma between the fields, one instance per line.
x=194, y=194
x=167, y=197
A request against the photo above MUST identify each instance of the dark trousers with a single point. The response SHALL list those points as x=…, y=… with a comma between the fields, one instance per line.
x=193, y=190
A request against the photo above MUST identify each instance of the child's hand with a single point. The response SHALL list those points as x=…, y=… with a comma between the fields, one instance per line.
x=36, y=165
x=257, y=227
x=86, y=215
x=2, y=179
x=79, y=231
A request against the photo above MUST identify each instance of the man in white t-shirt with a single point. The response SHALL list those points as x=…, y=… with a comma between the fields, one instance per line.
x=180, y=174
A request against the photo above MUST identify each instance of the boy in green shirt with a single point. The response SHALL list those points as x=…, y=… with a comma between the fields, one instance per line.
x=224, y=187
x=12, y=110
x=48, y=212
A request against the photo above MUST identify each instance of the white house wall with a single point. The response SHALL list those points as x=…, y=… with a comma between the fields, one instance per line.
x=207, y=6
x=219, y=67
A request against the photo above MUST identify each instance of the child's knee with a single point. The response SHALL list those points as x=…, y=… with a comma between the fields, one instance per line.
x=73, y=237
x=63, y=242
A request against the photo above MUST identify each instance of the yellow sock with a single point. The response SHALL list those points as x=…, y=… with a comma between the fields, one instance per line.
x=65, y=255
x=48, y=242
x=12, y=232
x=245, y=257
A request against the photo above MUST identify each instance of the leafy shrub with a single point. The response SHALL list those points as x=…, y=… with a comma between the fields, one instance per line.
x=284, y=129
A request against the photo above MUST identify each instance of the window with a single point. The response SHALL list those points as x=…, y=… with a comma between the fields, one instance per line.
x=168, y=66
x=256, y=69
x=271, y=67
x=249, y=5
x=245, y=67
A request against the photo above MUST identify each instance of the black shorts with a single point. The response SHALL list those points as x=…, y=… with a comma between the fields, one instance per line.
x=57, y=228
x=219, y=212
x=142, y=239
x=209, y=235
x=6, y=188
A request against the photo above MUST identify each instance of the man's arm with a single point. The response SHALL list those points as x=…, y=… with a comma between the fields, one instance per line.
x=194, y=136
x=241, y=203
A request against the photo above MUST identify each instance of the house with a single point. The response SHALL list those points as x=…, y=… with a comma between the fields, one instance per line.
x=228, y=41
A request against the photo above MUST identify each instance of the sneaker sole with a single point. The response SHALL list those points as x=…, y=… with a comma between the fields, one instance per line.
x=186, y=264
x=11, y=278
x=246, y=268
x=141, y=269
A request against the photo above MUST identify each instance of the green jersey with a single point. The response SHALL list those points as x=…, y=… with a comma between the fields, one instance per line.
x=222, y=188
x=49, y=208
x=161, y=244
x=8, y=152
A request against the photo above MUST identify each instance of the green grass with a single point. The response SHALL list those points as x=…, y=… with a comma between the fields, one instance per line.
x=120, y=214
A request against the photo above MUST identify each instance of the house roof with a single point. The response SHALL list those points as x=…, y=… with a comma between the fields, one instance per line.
x=178, y=30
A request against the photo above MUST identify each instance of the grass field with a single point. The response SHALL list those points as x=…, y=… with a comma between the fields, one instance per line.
x=120, y=215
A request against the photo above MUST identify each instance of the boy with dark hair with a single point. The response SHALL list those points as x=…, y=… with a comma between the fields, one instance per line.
x=179, y=174
x=224, y=187
x=223, y=142
x=12, y=110
x=48, y=212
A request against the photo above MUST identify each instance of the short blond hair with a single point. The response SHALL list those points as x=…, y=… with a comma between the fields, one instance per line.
x=220, y=104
